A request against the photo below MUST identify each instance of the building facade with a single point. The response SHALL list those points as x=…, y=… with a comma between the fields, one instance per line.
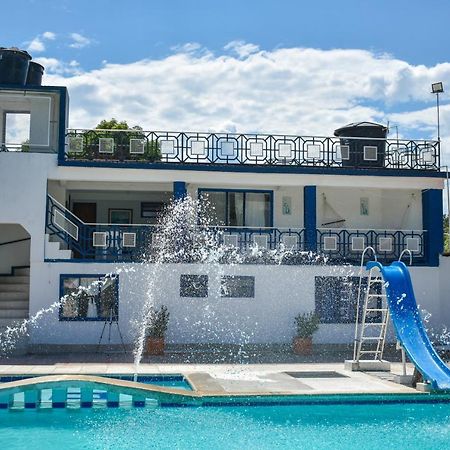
x=79, y=205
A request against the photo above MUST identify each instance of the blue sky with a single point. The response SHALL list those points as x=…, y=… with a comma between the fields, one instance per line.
x=124, y=31
x=276, y=66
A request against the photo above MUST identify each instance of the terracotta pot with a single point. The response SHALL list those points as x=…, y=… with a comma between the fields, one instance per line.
x=154, y=346
x=302, y=346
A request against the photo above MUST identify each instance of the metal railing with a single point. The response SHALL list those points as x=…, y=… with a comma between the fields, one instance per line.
x=137, y=242
x=347, y=244
x=249, y=149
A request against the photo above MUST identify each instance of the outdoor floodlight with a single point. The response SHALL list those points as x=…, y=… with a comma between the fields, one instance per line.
x=437, y=88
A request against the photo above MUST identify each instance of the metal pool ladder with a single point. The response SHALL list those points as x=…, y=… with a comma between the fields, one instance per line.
x=370, y=336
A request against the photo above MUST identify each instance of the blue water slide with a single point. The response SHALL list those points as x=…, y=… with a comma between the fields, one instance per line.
x=409, y=326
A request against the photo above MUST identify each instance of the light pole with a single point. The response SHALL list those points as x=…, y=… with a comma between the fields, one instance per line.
x=437, y=88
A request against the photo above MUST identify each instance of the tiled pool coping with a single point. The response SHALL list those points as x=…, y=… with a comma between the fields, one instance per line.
x=154, y=395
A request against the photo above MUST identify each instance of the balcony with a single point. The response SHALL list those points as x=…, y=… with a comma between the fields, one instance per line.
x=267, y=245
x=228, y=151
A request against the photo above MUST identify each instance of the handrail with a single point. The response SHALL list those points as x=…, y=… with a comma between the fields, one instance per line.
x=17, y=240
x=358, y=301
x=406, y=250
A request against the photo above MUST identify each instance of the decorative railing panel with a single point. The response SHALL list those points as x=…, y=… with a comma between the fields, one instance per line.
x=249, y=149
x=348, y=245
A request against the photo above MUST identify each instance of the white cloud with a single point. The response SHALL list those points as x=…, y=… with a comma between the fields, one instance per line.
x=49, y=35
x=37, y=45
x=79, y=41
x=288, y=90
x=241, y=48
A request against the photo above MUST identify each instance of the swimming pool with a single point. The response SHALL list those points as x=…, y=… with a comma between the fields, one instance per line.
x=324, y=426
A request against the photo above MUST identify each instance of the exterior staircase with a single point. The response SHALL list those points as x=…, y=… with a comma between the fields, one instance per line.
x=14, y=295
x=14, y=303
x=53, y=249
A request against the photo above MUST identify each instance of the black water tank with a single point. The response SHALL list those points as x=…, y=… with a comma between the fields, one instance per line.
x=35, y=72
x=363, y=152
x=13, y=66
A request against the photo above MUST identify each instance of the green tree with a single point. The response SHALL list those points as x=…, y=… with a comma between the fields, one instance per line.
x=122, y=133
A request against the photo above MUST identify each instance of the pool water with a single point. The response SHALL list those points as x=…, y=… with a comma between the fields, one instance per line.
x=342, y=426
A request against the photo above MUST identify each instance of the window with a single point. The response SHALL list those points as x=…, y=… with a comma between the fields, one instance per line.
x=120, y=216
x=89, y=297
x=239, y=208
x=17, y=131
x=237, y=286
x=336, y=297
x=151, y=211
x=194, y=286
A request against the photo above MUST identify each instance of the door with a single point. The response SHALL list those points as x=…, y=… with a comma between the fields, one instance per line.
x=87, y=212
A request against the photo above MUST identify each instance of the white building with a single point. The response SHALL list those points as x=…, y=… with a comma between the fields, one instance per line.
x=79, y=204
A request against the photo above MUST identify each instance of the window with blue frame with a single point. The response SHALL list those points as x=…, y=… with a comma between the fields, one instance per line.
x=89, y=297
x=239, y=208
x=336, y=298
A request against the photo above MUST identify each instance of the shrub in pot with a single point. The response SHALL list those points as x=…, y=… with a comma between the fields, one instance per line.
x=156, y=331
x=307, y=324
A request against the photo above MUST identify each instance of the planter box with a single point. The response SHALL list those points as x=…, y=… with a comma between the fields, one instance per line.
x=154, y=346
x=302, y=346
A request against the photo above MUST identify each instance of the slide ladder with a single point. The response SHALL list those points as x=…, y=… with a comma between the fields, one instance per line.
x=374, y=320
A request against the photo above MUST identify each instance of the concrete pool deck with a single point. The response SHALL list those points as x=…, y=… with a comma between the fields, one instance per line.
x=237, y=379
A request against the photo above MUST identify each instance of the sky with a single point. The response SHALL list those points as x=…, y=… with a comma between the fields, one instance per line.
x=295, y=67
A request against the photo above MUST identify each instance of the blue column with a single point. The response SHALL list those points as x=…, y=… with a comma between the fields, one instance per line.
x=432, y=212
x=179, y=190
x=309, y=218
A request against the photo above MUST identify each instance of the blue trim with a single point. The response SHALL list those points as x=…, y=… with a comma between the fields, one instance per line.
x=63, y=276
x=309, y=217
x=247, y=168
x=63, y=122
x=254, y=191
x=179, y=190
x=432, y=217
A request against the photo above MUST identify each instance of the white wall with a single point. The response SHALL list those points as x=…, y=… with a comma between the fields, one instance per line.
x=391, y=209
x=281, y=292
x=17, y=253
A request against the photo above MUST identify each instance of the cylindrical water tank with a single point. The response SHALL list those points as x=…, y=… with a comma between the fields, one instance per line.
x=13, y=66
x=35, y=72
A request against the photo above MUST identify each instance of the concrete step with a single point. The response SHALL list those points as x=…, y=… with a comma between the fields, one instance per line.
x=11, y=296
x=15, y=288
x=53, y=250
x=13, y=313
x=11, y=279
x=5, y=323
x=23, y=271
x=14, y=305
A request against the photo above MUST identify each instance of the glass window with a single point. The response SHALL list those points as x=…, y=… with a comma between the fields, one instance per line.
x=216, y=203
x=89, y=297
x=239, y=209
x=235, y=209
x=336, y=297
x=237, y=286
x=194, y=286
x=257, y=209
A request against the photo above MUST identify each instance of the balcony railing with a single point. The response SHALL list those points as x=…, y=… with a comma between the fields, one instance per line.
x=129, y=243
x=164, y=147
x=348, y=244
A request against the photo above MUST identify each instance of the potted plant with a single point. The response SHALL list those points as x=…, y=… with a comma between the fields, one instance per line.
x=156, y=330
x=307, y=324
